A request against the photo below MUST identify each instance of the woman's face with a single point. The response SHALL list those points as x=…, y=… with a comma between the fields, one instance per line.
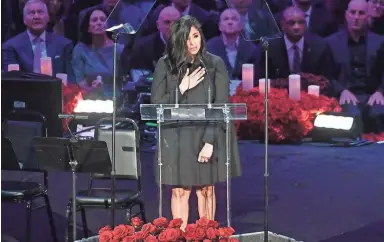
x=97, y=22
x=194, y=41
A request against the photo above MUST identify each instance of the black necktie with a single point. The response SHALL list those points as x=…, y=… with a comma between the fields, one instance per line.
x=296, y=60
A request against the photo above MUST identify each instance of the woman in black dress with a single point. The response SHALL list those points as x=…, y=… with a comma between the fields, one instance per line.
x=193, y=152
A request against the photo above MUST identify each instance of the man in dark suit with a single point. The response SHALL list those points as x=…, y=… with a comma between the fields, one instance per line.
x=355, y=50
x=149, y=49
x=318, y=19
x=297, y=51
x=231, y=47
x=257, y=19
x=208, y=20
x=27, y=48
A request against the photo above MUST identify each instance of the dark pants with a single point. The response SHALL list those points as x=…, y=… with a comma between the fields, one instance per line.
x=372, y=116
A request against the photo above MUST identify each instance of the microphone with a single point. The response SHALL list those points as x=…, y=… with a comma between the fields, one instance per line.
x=209, y=84
x=125, y=29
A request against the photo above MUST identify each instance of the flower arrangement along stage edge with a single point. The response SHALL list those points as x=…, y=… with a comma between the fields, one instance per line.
x=162, y=230
x=289, y=120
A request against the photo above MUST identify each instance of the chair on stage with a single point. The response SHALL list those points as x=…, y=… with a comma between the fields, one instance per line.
x=21, y=126
x=128, y=168
x=24, y=191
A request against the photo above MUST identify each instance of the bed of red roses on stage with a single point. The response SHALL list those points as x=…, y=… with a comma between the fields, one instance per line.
x=162, y=230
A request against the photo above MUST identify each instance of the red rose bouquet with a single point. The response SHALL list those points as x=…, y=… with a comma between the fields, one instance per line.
x=160, y=230
x=288, y=120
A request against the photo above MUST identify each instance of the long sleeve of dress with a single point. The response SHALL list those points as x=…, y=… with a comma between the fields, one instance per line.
x=78, y=63
x=160, y=93
x=221, y=83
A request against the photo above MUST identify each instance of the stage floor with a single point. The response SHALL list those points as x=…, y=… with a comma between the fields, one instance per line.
x=317, y=193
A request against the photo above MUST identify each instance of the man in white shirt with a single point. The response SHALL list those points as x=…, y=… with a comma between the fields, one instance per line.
x=27, y=48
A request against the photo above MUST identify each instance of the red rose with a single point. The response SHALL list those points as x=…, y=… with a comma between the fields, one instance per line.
x=213, y=224
x=175, y=223
x=106, y=236
x=162, y=236
x=225, y=232
x=191, y=228
x=160, y=222
x=148, y=228
x=139, y=236
x=211, y=233
x=172, y=234
x=151, y=238
x=136, y=222
x=105, y=228
x=130, y=238
x=200, y=233
x=121, y=231
x=203, y=222
x=207, y=240
x=190, y=232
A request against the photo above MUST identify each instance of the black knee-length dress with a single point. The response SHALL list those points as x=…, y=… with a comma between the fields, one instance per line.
x=182, y=141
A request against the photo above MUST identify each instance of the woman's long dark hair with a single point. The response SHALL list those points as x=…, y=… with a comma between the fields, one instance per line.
x=85, y=36
x=177, y=50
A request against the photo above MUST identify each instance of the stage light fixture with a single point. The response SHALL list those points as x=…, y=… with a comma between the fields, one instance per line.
x=333, y=122
x=94, y=106
x=328, y=126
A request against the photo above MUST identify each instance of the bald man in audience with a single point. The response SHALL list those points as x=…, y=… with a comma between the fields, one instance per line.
x=355, y=50
x=27, y=48
x=148, y=50
x=230, y=45
x=208, y=19
x=298, y=51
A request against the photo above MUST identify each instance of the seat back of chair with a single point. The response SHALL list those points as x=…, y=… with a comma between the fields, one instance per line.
x=21, y=127
x=9, y=159
x=127, y=154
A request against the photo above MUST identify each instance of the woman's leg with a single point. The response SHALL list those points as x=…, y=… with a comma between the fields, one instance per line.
x=180, y=204
x=206, y=200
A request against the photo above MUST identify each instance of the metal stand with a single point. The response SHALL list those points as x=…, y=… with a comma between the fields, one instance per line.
x=115, y=37
x=73, y=163
x=265, y=45
x=228, y=163
x=160, y=119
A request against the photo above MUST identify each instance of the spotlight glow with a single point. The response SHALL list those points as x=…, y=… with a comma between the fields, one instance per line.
x=333, y=122
x=94, y=106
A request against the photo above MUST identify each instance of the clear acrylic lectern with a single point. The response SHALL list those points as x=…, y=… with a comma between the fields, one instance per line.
x=220, y=113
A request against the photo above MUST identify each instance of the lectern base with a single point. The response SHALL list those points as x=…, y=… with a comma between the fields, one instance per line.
x=259, y=237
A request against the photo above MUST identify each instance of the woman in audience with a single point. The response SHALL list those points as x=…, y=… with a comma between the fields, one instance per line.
x=93, y=55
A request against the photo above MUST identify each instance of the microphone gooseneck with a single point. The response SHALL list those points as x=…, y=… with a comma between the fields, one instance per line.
x=209, y=83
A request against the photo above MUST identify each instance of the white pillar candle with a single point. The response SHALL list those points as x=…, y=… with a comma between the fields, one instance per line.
x=294, y=87
x=46, y=65
x=247, y=76
x=63, y=78
x=314, y=90
x=262, y=86
x=13, y=67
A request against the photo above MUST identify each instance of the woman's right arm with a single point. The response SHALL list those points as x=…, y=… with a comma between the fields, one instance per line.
x=78, y=67
x=160, y=93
